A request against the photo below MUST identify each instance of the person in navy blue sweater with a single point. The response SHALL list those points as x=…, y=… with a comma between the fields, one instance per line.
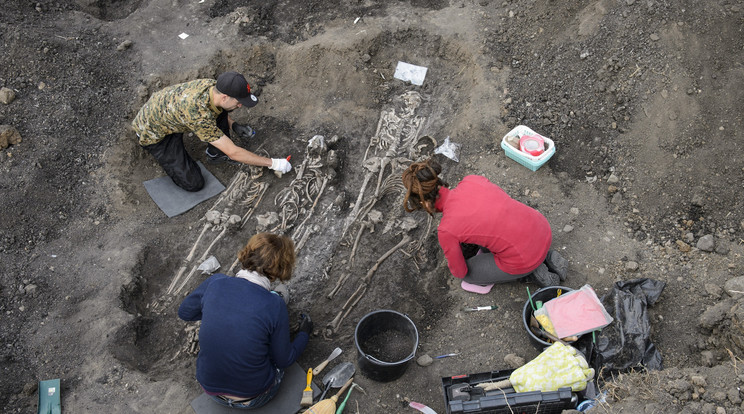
x=244, y=337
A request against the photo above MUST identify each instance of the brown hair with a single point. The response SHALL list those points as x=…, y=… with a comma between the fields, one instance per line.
x=270, y=255
x=422, y=181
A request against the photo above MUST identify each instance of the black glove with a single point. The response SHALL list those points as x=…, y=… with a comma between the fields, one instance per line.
x=243, y=131
x=306, y=324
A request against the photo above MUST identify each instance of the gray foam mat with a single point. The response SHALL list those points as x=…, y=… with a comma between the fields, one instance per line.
x=174, y=200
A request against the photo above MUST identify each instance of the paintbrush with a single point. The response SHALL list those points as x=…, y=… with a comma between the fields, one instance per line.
x=307, y=393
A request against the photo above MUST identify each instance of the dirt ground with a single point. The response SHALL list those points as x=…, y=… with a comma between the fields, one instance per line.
x=643, y=99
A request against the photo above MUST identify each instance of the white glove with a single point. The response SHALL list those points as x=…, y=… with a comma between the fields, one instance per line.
x=281, y=165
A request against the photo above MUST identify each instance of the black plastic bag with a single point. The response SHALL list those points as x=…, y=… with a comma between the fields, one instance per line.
x=626, y=343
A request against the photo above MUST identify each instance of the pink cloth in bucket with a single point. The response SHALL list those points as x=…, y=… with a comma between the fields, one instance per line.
x=476, y=288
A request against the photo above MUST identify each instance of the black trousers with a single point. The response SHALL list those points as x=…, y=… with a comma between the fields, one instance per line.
x=175, y=160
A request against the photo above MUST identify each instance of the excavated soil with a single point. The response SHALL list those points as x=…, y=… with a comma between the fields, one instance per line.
x=643, y=100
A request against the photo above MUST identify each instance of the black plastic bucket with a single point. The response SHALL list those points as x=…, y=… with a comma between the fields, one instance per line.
x=545, y=294
x=386, y=341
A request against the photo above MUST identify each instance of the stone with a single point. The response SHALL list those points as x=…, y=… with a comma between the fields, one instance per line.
x=733, y=396
x=424, y=360
x=568, y=228
x=698, y=380
x=707, y=358
x=8, y=136
x=718, y=397
x=30, y=289
x=124, y=45
x=734, y=287
x=631, y=266
x=706, y=243
x=698, y=200
x=7, y=95
x=714, y=314
x=514, y=361
x=682, y=246
x=722, y=248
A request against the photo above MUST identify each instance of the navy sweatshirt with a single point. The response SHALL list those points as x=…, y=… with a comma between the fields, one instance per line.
x=244, y=334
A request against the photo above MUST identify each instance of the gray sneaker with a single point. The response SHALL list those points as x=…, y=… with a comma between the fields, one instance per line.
x=543, y=277
x=557, y=264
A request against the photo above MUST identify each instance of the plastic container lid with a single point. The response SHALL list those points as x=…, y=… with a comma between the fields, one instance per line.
x=532, y=144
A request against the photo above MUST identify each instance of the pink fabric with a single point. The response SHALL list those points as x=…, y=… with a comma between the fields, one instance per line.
x=475, y=288
x=480, y=212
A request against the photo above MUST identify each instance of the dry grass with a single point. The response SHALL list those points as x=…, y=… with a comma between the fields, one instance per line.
x=639, y=384
x=735, y=360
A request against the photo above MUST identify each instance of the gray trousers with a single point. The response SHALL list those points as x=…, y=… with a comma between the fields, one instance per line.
x=482, y=270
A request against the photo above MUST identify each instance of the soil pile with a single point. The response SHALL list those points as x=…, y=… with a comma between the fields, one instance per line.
x=642, y=99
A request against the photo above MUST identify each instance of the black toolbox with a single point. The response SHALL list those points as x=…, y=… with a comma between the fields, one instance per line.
x=462, y=397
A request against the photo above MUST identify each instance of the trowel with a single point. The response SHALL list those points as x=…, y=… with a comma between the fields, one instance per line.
x=337, y=377
x=336, y=352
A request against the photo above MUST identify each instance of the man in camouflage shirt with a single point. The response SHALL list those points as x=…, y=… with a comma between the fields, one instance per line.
x=200, y=106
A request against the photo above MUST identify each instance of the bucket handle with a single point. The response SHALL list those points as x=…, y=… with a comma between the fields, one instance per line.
x=375, y=360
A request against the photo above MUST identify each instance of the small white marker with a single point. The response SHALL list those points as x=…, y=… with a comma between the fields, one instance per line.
x=183, y=35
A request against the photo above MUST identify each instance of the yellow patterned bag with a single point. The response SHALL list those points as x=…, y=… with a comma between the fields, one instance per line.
x=556, y=367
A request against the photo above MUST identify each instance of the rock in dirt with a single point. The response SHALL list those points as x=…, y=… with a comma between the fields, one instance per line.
x=124, y=45
x=8, y=136
x=706, y=243
x=722, y=248
x=735, y=287
x=683, y=247
x=424, y=360
x=715, y=314
x=7, y=95
x=707, y=358
x=514, y=361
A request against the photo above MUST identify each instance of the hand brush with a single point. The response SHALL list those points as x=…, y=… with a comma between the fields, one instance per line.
x=307, y=393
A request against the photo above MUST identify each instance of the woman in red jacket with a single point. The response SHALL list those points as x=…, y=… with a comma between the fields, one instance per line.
x=514, y=239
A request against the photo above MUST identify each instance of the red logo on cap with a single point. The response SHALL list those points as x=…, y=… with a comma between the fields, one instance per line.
x=247, y=86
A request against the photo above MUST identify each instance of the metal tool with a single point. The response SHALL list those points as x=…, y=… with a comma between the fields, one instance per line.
x=336, y=352
x=337, y=376
x=481, y=308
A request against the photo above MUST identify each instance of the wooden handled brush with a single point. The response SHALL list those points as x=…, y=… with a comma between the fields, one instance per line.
x=328, y=406
x=307, y=393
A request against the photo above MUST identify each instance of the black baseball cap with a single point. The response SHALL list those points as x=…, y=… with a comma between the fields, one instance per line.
x=235, y=86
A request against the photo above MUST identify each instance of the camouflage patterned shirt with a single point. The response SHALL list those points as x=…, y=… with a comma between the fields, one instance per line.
x=179, y=108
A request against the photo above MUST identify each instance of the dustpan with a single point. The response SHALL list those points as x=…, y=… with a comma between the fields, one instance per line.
x=49, y=401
